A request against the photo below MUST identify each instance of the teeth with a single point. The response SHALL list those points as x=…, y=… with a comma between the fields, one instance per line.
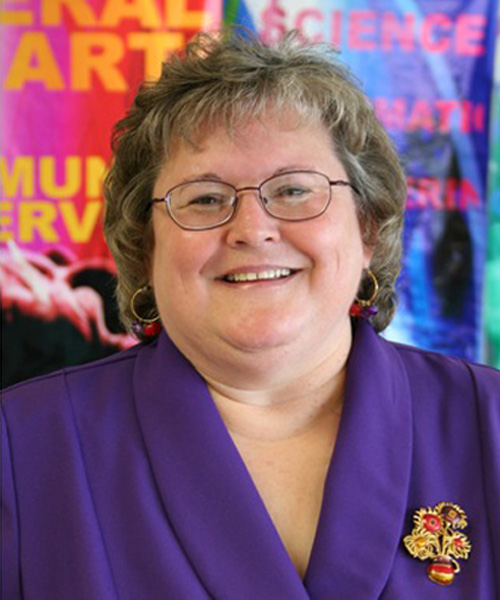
x=273, y=274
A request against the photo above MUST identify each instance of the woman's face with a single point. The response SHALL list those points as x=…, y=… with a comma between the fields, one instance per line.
x=293, y=319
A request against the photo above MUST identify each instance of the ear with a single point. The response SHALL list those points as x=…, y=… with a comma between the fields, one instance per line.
x=149, y=251
x=367, y=255
x=369, y=245
x=369, y=235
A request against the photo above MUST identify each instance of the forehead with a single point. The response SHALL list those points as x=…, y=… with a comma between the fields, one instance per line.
x=237, y=114
x=264, y=143
x=195, y=133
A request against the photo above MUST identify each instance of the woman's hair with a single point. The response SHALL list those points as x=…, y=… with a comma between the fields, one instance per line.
x=226, y=80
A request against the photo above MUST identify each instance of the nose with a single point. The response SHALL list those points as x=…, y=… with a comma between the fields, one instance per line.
x=252, y=225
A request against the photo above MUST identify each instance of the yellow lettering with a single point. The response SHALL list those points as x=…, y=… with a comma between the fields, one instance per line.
x=145, y=11
x=178, y=16
x=16, y=17
x=155, y=46
x=38, y=217
x=34, y=61
x=72, y=178
x=81, y=230
x=19, y=178
x=95, y=170
x=96, y=53
x=80, y=11
x=6, y=221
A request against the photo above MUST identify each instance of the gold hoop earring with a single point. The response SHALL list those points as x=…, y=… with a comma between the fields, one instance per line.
x=365, y=308
x=143, y=326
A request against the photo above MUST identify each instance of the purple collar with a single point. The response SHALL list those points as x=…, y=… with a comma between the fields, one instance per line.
x=217, y=513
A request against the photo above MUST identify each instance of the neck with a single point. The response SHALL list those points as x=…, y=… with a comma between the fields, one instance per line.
x=273, y=393
x=282, y=412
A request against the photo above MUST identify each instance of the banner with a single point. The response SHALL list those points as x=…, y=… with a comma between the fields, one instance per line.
x=70, y=69
x=427, y=66
x=492, y=284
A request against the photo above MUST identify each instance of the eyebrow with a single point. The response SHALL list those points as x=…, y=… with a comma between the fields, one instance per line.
x=215, y=177
x=193, y=178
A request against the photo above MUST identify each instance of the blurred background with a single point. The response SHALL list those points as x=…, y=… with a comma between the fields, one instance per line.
x=69, y=70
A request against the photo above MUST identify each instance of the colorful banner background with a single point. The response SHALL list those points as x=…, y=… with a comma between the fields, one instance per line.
x=492, y=284
x=69, y=70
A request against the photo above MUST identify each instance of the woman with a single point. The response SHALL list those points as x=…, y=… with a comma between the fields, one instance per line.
x=268, y=444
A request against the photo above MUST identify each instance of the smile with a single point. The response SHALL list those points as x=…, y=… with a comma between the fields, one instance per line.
x=261, y=276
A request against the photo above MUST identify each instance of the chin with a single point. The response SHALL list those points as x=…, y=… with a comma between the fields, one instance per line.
x=259, y=338
x=258, y=344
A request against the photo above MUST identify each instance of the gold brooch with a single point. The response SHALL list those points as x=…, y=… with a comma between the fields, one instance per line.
x=435, y=537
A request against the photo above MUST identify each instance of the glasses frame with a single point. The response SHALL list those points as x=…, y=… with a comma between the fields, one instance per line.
x=258, y=188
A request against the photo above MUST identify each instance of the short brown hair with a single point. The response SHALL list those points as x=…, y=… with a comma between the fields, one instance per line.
x=222, y=79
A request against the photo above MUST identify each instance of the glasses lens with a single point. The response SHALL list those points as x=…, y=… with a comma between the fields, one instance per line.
x=201, y=204
x=296, y=196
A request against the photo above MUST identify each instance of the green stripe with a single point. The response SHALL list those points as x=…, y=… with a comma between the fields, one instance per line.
x=231, y=11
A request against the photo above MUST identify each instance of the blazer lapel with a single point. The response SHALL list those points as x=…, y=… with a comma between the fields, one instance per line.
x=366, y=491
x=209, y=497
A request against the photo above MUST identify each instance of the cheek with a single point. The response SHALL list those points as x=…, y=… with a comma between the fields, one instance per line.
x=170, y=267
x=166, y=258
x=179, y=257
x=339, y=244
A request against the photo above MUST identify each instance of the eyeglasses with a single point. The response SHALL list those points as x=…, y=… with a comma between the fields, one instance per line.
x=292, y=196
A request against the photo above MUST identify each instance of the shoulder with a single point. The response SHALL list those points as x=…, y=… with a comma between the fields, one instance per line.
x=454, y=383
x=448, y=368
x=437, y=374
x=51, y=390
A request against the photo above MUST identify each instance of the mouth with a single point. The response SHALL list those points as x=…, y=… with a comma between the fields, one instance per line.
x=254, y=276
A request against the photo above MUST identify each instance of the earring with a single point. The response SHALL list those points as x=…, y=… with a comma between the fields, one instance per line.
x=143, y=326
x=364, y=308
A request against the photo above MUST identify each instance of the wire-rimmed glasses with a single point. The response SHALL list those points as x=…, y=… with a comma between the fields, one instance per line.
x=291, y=196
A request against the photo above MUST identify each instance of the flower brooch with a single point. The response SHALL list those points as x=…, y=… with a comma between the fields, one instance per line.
x=435, y=537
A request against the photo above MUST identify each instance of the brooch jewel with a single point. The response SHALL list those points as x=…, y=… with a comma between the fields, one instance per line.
x=435, y=537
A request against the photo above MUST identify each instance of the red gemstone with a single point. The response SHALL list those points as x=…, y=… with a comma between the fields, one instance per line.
x=151, y=329
x=355, y=310
x=432, y=522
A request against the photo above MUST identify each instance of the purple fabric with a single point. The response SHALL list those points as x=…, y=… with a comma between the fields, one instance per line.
x=120, y=481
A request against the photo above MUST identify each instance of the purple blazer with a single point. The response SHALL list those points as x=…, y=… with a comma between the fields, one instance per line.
x=120, y=481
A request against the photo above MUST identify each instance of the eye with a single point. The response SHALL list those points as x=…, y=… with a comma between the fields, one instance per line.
x=207, y=200
x=291, y=190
